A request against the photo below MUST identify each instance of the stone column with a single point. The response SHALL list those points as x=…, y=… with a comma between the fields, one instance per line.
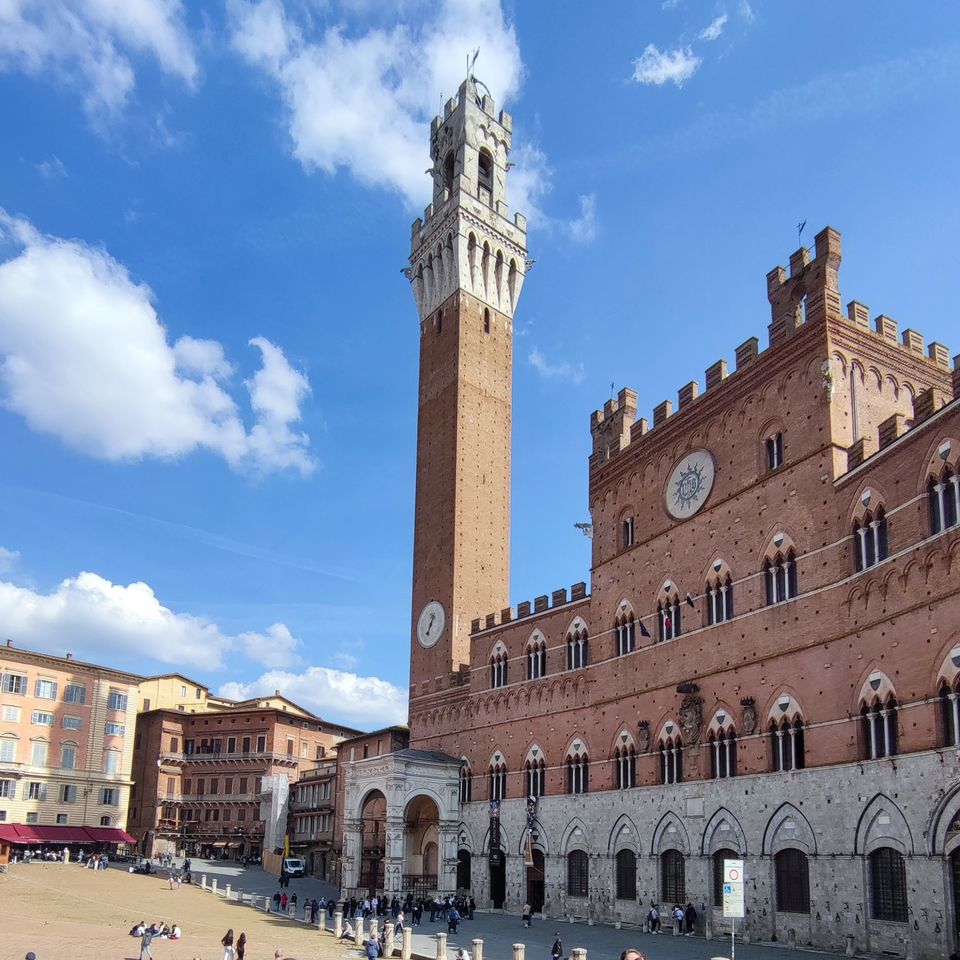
x=406, y=951
x=578, y=953
x=441, y=946
x=322, y=918
x=447, y=855
x=374, y=926
x=337, y=923
x=478, y=949
x=352, y=849
x=388, y=938
x=518, y=951
x=358, y=933
x=394, y=855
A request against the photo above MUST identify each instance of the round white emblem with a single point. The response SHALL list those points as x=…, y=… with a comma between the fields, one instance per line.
x=690, y=484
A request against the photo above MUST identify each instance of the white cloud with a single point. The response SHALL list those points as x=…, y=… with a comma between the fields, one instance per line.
x=565, y=370
x=84, y=357
x=275, y=648
x=95, y=619
x=583, y=229
x=363, y=100
x=52, y=169
x=332, y=694
x=713, y=30
x=8, y=559
x=87, y=45
x=746, y=11
x=657, y=68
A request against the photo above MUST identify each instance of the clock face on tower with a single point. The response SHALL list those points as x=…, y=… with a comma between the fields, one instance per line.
x=431, y=623
x=690, y=484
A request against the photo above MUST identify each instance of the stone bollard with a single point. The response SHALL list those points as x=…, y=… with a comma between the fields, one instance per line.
x=388, y=938
x=322, y=919
x=908, y=950
x=406, y=949
x=358, y=935
x=477, y=950
x=578, y=953
x=374, y=927
x=518, y=951
x=266, y=904
x=227, y=892
x=851, y=950
x=203, y=882
x=441, y=946
x=791, y=939
x=708, y=929
x=213, y=886
x=337, y=923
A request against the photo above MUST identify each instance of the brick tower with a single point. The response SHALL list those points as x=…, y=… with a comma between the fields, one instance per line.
x=467, y=265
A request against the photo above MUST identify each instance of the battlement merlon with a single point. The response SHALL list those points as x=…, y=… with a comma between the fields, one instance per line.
x=611, y=426
x=811, y=292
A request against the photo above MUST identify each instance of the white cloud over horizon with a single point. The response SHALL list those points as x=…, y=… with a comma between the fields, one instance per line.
x=85, y=358
x=8, y=559
x=93, y=618
x=564, y=370
x=714, y=29
x=331, y=694
x=655, y=67
x=89, y=46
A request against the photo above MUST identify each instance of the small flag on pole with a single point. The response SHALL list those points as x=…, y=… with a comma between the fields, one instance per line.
x=690, y=600
x=644, y=632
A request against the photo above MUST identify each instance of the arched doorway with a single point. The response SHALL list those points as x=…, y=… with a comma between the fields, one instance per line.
x=498, y=878
x=463, y=870
x=535, y=877
x=373, y=818
x=421, y=866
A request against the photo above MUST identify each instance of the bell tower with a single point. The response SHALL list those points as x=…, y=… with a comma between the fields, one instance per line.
x=467, y=266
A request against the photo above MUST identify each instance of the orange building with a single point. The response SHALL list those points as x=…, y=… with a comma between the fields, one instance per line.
x=66, y=747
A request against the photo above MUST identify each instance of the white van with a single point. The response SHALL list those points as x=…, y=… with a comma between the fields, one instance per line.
x=294, y=867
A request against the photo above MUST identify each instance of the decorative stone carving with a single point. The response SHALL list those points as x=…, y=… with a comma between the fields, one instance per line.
x=691, y=719
x=643, y=737
x=748, y=716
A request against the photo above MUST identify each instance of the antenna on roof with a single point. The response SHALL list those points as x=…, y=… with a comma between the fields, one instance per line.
x=800, y=227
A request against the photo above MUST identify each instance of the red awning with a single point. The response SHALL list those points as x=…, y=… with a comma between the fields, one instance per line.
x=109, y=835
x=58, y=834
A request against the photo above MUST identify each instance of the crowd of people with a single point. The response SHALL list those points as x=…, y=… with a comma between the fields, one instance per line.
x=684, y=919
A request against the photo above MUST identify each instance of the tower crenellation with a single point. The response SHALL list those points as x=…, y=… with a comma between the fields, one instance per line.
x=807, y=295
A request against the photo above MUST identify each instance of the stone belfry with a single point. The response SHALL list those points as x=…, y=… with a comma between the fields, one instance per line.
x=467, y=265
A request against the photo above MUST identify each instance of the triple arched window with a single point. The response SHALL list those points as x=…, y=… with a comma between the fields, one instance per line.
x=786, y=744
x=536, y=777
x=626, y=631
x=578, y=773
x=870, y=538
x=668, y=617
x=780, y=575
x=577, y=650
x=723, y=753
x=944, y=492
x=719, y=600
x=949, y=695
x=498, y=669
x=879, y=720
x=671, y=760
x=466, y=783
x=625, y=758
x=536, y=658
x=498, y=781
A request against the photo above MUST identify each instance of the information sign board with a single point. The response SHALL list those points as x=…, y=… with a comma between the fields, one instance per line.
x=733, y=889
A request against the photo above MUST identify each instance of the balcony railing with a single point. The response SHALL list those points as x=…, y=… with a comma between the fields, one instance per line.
x=208, y=798
x=223, y=756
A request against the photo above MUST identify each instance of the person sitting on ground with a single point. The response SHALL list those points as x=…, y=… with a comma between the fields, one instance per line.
x=462, y=954
x=175, y=933
x=138, y=928
x=348, y=933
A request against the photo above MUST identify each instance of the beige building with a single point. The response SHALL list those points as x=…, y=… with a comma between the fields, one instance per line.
x=66, y=748
x=174, y=691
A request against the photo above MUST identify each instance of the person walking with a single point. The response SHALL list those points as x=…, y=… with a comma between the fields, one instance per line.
x=276, y=901
x=689, y=919
x=146, y=938
x=556, y=951
x=526, y=914
x=228, y=951
x=241, y=946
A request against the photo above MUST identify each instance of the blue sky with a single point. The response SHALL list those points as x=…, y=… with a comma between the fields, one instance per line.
x=208, y=354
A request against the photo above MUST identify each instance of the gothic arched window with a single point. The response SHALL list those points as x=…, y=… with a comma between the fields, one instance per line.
x=498, y=781
x=723, y=753
x=944, y=493
x=668, y=617
x=786, y=743
x=950, y=713
x=870, y=538
x=626, y=631
x=498, y=669
x=780, y=574
x=466, y=783
x=536, y=777
x=879, y=721
x=625, y=759
x=485, y=177
x=536, y=658
x=577, y=652
x=671, y=760
x=719, y=600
